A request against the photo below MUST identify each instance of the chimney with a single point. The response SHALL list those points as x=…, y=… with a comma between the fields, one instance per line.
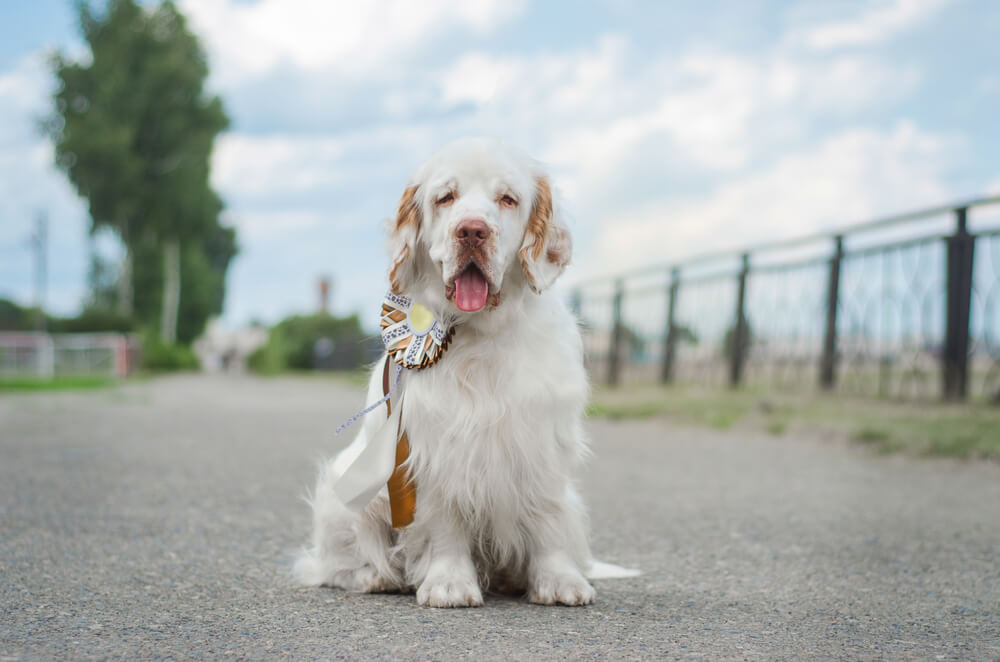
x=324, y=295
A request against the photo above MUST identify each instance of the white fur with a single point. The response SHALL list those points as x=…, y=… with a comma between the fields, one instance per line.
x=494, y=427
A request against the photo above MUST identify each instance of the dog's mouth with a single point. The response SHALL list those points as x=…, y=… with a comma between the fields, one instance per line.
x=469, y=289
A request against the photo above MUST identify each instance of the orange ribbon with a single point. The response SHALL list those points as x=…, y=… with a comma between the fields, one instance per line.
x=402, y=491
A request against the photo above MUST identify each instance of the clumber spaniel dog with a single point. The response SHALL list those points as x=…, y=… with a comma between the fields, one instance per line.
x=495, y=425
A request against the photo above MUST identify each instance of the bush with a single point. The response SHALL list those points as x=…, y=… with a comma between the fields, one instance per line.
x=158, y=357
x=15, y=318
x=268, y=359
x=292, y=345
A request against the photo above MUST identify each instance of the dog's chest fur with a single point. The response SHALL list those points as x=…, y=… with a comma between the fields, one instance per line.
x=494, y=431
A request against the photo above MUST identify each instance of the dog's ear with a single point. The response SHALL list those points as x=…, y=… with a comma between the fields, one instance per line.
x=547, y=245
x=403, y=242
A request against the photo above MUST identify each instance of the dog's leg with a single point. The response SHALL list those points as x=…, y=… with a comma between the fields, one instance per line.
x=560, y=550
x=554, y=579
x=451, y=579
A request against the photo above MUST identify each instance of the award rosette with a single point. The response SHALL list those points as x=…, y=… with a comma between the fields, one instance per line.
x=413, y=337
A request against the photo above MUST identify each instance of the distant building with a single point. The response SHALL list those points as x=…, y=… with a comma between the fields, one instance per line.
x=226, y=350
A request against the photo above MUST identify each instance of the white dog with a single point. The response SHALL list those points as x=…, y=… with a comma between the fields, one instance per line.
x=494, y=427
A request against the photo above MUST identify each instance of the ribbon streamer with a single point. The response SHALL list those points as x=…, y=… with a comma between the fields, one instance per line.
x=349, y=422
x=365, y=466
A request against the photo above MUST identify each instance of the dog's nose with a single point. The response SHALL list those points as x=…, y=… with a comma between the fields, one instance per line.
x=472, y=232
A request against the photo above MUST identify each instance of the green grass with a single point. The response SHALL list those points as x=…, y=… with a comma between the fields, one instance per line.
x=70, y=383
x=715, y=409
x=930, y=428
x=870, y=435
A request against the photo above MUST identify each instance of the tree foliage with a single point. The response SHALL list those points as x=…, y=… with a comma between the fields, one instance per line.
x=134, y=129
x=203, y=275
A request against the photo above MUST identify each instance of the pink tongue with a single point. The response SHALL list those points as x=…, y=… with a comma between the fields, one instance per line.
x=471, y=289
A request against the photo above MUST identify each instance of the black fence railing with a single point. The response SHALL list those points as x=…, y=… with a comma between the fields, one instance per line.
x=906, y=307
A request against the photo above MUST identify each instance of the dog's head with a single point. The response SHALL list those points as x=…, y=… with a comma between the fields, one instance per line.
x=477, y=220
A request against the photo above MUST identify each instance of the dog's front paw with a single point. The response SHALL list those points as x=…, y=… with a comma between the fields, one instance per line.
x=567, y=588
x=449, y=592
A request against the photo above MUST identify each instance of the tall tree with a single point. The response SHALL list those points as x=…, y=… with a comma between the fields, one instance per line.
x=203, y=273
x=134, y=130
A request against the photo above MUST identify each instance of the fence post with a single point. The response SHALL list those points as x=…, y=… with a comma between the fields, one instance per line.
x=958, y=292
x=828, y=363
x=617, y=336
x=670, y=342
x=738, y=335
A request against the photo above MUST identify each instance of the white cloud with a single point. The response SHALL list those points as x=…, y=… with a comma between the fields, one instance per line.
x=249, y=167
x=701, y=109
x=850, y=83
x=350, y=38
x=600, y=112
x=263, y=165
x=259, y=226
x=572, y=81
x=852, y=176
x=603, y=117
x=877, y=22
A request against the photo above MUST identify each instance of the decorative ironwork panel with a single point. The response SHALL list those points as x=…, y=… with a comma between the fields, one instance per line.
x=786, y=313
x=704, y=315
x=891, y=320
x=984, y=363
x=644, y=320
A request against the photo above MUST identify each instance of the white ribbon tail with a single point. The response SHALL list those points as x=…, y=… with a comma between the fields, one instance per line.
x=371, y=466
x=602, y=570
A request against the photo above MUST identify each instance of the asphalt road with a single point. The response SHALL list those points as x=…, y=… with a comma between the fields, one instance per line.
x=159, y=520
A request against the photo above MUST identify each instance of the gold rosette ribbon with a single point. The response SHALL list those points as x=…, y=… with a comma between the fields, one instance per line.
x=411, y=334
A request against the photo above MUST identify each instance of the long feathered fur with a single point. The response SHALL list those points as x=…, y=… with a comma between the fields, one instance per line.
x=494, y=428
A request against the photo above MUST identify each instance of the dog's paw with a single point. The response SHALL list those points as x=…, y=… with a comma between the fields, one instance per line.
x=364, y=580
x=371, y=581
x=567, y=588
x=449, y=592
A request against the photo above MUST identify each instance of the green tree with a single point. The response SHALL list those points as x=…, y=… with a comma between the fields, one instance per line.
x=202, y=271
x=134, y=131
x=13, y=317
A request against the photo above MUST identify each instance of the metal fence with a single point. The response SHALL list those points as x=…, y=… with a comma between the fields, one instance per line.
x=44, y=355
x=906, y=307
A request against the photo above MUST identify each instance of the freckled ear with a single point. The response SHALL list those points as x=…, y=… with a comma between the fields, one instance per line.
x=403, y=241
x=547, y=245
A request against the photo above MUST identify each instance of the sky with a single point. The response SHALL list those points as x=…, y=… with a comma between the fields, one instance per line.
x=669, y=128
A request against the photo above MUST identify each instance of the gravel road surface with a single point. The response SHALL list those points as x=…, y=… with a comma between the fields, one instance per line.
x=158, y=520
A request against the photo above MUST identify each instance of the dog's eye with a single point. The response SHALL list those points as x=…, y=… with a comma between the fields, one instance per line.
x=446, y=199
x=507, y=201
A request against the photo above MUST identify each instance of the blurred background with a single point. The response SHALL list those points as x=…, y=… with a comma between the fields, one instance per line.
x=207, y=180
